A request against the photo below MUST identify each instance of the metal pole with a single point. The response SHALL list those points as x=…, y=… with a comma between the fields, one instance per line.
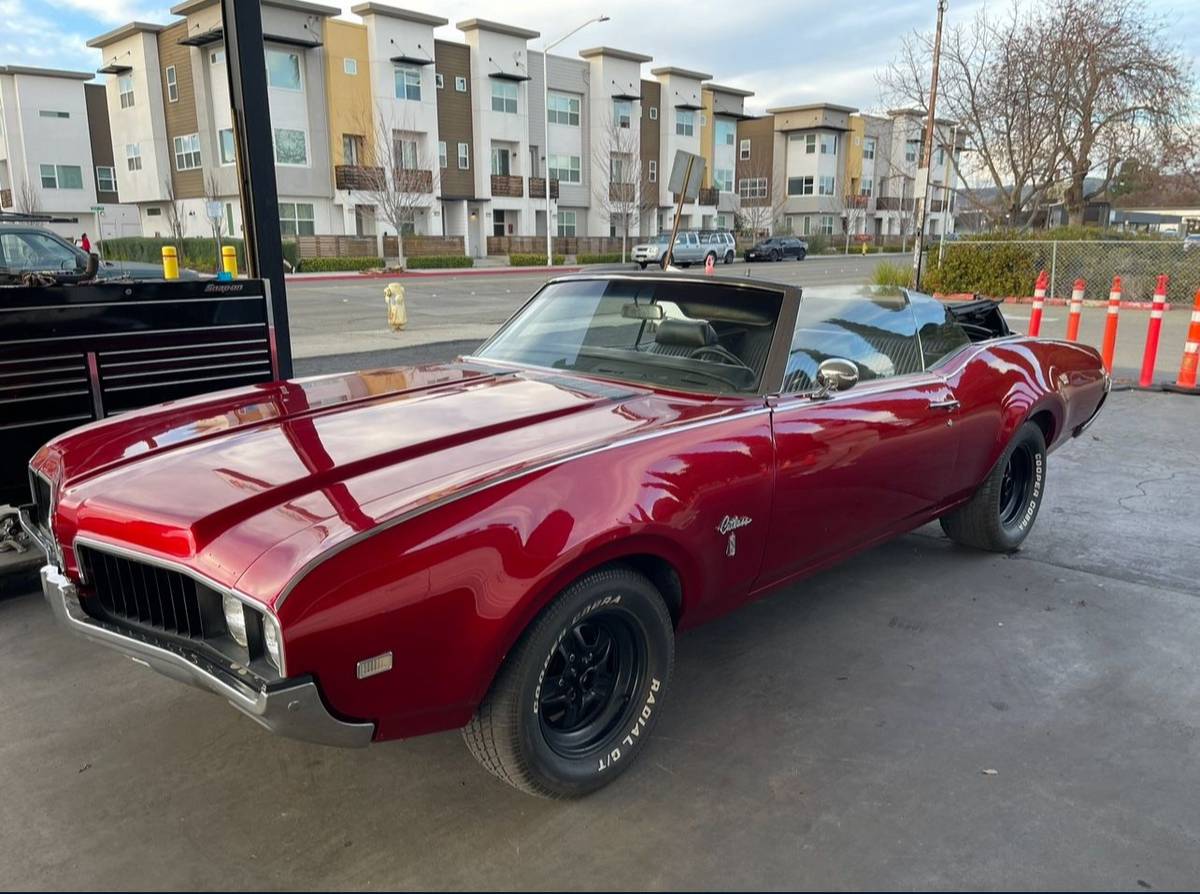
x=927, y=155
x=247, y=70
x=687, y=181
x=546, y=150
x=946, y=194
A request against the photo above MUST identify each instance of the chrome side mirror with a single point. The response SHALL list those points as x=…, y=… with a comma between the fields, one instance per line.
x=835, y=374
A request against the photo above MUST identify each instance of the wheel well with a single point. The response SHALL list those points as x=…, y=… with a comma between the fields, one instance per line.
x=663, y=575
x=1044, y=420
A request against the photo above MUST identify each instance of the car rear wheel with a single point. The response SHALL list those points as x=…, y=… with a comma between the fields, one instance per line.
x=775, y=255
x=577, y=697
x=1001, y=513
x=801, y=255
x=728, y=257
x=642, y=264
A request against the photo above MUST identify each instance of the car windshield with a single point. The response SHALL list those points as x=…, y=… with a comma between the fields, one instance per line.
x=679, y=334
x=23, y=251
x=664, y=238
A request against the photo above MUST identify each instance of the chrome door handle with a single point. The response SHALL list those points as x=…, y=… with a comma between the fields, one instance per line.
x=948, y=404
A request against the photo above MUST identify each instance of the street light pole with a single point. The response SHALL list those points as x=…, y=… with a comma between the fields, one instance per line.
x=922, y=184
x=951, y=170
x=546, y=48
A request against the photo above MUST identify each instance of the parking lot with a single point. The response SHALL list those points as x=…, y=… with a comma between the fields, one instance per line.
x=921, y=717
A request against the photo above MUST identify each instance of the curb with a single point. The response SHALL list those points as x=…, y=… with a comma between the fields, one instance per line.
x=417, y=274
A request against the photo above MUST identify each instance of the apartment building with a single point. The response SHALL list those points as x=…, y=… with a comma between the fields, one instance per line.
x=55, y=155
x=723, y=109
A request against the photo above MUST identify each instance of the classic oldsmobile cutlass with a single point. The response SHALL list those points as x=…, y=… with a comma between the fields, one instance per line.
x=508, y=543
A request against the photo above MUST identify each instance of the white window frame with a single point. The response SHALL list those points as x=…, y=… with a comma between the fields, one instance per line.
x=912, y=150
x=723, y=183
x=133, y=156
x=652, y=172
x=172, y=79
x=186, y=150
x=826, y=186
x=221, y=157
x=275, y=147
x=439, y=80
x=685, y=123
x=350, y=66
x=829, y=144
x=406, y=82
x=752, y=188
x=111, y=178
x=564, y=109
x=565, y=168
x=826, y=224
x=806, y=186
x=869, y=148
x=653, y=113
x=125, y=90
x=460, y=83
x=867, y=186
x=52, y=113
x=507, y=94
x=443, y=158
x=464, y=156
x=565, y=214
x=810, y=144
x=55, y=174
x=296, y=220
x=299, y=88
x=744, y=150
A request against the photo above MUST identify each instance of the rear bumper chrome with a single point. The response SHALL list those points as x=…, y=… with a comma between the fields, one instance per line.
x=291, y=707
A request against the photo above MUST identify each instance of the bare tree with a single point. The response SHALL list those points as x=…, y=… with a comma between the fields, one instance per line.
x=760, y=198
x=851, y=209
x=617, y=183
x=174, y=214
x=28, y=198
x=397, y=173
x=212, y=193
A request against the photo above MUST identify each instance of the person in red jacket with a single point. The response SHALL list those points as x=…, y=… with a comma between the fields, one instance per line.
x=85, y=243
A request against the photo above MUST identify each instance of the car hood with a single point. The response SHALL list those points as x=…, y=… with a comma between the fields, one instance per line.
x=247, y=486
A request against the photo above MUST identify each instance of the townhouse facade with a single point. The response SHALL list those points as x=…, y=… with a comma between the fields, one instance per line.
x=56, y=155
x=383, y=124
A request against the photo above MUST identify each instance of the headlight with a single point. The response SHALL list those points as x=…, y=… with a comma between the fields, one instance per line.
x=235, y=620
x=271, y=638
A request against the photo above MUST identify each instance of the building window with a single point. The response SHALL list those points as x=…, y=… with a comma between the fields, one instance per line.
x=620, y=167
x=62, y=177
x=351, y=149
x=565, y=168
x=723, y=179
x=460, y=84
x=408, y=82
x=868, y=147
x=187, y=152
x=229, y=218
x=810, y=143
x=464, y=156
x=226, y=145
x=685, y=122
x=563, y=109
x=941, y=155
x=652, y=173
x=133, y=156
x=826, y=224
x=566, y=223
x=154, y=212
x=653, y=113
x=50, y=113
x=867, y=187
x=297, y=219
x=500, y=162
x=910, y=149
x=404, y=151
x=106, y=179
x=726, y=133
x=443, y=161
x=829, y=143
x=825, y=186
x=800, y=186
x=172, y=84
x=216, y=56
x=622, y=112
x=439, y=80
x=283, y=70
x=125, y=88
x=752, y=187
x=350, y=66
x=291, y=147
x=744, y=150
x=504, y=97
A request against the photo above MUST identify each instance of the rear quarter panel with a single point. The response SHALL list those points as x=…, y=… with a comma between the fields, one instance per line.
x=450, y=591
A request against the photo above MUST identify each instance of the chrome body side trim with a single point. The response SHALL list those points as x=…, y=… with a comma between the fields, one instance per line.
x=292, y=708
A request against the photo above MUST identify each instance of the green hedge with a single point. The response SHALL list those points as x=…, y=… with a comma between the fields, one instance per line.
x=199, y=253
x=996, y=270
x=533, y=260
x=430, y=262
x=608, y=257
x=891, y=275
x=337, y=265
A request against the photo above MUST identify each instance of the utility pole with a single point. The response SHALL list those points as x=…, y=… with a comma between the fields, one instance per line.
x=922, y=196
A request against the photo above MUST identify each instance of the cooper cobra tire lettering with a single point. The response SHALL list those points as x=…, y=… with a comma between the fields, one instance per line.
x=599, y=603
x=641, y=720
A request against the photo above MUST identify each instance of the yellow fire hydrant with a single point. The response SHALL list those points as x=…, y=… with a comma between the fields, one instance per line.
x=170, y=259
x=229, y=259
x=393, y=297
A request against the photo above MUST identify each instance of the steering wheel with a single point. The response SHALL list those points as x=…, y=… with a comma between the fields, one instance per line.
x=721, y=354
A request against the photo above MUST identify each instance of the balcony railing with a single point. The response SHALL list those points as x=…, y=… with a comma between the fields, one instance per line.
x=414, y=180
x=709, y=195
x=893, y=203
x=537, y=188
x=622, y=192
x=6, y=198
x=508, y=185
x=357, y=177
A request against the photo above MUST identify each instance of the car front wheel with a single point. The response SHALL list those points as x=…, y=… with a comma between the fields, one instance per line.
x=642, y=264
x=801, y=256
x=728, y=257
x=775, y=256
x=1002, y=511
x=577, y=697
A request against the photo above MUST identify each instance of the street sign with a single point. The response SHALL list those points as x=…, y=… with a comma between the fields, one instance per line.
x=690, y=191
x=213, y=210
x=98, y=209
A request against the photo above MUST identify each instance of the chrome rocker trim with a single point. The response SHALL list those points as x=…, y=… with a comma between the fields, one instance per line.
x=292, y=708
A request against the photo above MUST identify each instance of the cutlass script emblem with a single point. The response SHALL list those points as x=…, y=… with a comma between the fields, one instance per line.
x=729, y=525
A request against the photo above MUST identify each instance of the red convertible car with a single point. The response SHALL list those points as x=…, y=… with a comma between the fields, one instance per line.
x=509, y=543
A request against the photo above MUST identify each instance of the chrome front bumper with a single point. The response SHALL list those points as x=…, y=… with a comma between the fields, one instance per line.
x=292, y=708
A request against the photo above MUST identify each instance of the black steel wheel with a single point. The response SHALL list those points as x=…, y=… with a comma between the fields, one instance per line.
x=1000, y=514
x=576, y=698
x=775, y=256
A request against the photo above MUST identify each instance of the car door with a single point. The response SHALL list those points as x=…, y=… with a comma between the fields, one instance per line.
x=859, y=465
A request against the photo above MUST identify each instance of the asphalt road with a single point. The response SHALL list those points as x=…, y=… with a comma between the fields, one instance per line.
x=834, y=735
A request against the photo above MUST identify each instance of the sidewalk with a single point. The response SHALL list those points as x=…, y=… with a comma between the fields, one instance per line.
x=483, y=267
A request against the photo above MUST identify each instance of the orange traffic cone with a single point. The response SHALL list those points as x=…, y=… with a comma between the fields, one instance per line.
x=1186, y=380
x=1110, y=324
x=1039, y=301
x=1076, y=310
x=1153, y=332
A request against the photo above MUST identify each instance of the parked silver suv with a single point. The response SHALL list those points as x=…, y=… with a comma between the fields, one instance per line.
x=691, y=247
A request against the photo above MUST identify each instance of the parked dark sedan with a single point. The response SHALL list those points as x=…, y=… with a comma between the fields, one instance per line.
x=27, y=248
x=777, y=248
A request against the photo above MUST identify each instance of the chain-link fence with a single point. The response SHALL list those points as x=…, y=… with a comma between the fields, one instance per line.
x=1008, y=268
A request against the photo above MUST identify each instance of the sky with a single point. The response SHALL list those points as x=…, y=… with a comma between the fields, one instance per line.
x=787, y=51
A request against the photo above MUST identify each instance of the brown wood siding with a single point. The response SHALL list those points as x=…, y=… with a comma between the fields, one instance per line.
x=761, y=134
x=180, y=116
x=100, y=134
x=453, y=60
x=650, y=138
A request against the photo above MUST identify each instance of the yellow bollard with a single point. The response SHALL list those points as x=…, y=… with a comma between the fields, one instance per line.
x=170, y=259
x=393, y=296
x=864, y=248
x=229, y=259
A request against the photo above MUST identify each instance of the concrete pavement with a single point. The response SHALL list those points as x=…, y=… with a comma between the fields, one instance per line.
x=833, y=735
